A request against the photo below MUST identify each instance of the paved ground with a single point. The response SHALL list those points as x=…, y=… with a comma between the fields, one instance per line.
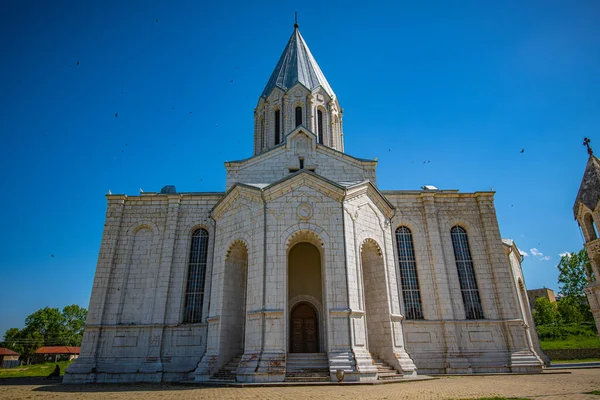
x=571, y=385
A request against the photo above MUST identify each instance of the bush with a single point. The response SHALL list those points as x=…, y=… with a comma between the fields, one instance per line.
x=552, y=332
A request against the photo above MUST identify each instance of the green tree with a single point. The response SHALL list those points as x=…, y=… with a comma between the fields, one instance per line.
x=572, y=279
x=47, y=326
x=74, y=317
x=546, y=312
x=569, y=308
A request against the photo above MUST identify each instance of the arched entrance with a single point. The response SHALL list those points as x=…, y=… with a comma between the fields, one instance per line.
x=304, y=299
x=375, y=297
x=233, y=317
x=304, y=324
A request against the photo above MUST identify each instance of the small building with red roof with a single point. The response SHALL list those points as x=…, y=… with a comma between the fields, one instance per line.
x=8, y=358
x=55, y=353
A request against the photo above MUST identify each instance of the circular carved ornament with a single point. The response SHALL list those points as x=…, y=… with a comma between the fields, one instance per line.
x=304, y=211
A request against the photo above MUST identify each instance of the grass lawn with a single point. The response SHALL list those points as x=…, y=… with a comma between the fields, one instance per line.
x=33, y=370
x=578, y=343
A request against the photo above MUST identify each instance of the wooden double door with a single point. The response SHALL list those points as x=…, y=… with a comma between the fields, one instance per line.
x=305, y=329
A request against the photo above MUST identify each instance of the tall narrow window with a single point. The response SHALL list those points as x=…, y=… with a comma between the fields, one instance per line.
x=194, y=294
x=466, y=273
x=298, y=116
x=408, y=274
x=320, y=126
x=277, y=125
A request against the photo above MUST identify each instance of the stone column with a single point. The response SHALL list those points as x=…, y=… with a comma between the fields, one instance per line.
x=286, y=116
x=310, y=114
x=445, y=306
x=162, y=283
x=83, y=369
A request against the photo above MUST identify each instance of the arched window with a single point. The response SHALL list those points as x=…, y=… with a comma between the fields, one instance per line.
x=194, y=294
x=590, y=227
x=320, y=126
x=277, y=125
x=408, y=274
x=298, y=116
x=466, y=273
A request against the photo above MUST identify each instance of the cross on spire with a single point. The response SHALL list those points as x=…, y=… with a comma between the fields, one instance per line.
x=586, y=142
x=296, y=19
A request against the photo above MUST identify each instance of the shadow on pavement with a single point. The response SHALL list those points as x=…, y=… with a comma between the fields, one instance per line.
x=30, y=380
x=58, y=387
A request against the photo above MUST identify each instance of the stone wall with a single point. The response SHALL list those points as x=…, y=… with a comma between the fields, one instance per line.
x=572, y=354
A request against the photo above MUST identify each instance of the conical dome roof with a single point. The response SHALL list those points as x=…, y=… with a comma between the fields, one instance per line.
x=297, y=65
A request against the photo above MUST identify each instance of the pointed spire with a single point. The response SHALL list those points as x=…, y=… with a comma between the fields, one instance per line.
x=297, y=65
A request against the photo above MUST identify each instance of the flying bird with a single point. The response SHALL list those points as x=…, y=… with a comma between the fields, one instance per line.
x=116, y=114
x=77, y=62
x=522, y=150
x=52, y=255
x=156, y=19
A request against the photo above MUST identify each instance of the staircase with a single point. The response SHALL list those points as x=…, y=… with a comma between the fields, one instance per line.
x=227, y=373
x=307, y=367
x=384, y=371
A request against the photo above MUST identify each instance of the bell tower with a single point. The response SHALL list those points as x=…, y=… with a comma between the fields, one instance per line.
x=587, y=214
x=297, y=93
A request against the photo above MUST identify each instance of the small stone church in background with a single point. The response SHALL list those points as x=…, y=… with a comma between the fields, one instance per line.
x=587, y=214
x=304, y=267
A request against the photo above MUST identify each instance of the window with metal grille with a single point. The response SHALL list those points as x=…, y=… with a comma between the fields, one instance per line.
x=298, y=116
x=194, y=294
x=277, y=125
x=466, y=273
x=320, y=126
x=408, y=274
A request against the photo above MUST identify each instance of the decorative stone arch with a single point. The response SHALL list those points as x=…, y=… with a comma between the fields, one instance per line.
x=234, y=243
x=372, y=242
x=305, y=232
x=143, y=224
x=194, y=226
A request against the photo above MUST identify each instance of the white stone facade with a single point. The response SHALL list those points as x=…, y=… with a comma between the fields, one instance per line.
x=300, y=223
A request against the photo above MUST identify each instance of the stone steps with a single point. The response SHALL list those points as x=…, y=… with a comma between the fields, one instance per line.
x=307, y=367
x=227, y=372
x=384, y=371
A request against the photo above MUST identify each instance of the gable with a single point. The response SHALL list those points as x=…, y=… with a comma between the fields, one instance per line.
x=299, y=150
x=589, y=190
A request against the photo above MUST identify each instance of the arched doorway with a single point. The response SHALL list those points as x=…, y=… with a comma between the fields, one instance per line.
x=233, y=317
x=305, y=290
x=375, y=297
x=304, y=326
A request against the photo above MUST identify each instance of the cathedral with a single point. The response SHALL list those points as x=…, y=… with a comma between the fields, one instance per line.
x=303, y=269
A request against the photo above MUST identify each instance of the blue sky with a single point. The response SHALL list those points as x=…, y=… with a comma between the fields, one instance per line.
x=465, y=85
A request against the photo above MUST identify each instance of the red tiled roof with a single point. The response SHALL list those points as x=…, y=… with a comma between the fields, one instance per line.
x=7, y=352
x=57, y=350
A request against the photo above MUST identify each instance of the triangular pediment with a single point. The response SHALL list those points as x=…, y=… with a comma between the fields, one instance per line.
x=589, y=190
